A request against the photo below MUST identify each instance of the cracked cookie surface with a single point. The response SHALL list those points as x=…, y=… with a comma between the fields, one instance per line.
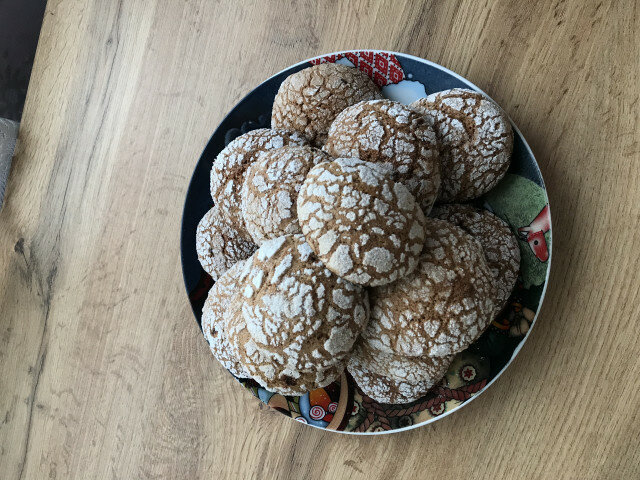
x=309, y=100
x=214, y=327
x=383, y=131
x=270, y=190
x=440, y=309
x=219, y=245
x=362, y=225
x=476, y=141
x=392, y=378
x=401, y=367
x=499, y=244
x=295, y=322
x=229, y=167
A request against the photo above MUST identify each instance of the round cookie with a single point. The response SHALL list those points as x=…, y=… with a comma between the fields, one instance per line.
x=309, y=100
x=443, y=307
x=219, y=245
x=363, y=226
x=383, y=383
x=270, y=190
x=299, y=321
x=499, y=244
x=229, y=167
x=266, y=368
x=213, y=326
x=383, y=131
x=476, y=141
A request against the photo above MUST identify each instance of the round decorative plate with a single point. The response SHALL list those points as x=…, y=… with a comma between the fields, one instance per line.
x=520, y=199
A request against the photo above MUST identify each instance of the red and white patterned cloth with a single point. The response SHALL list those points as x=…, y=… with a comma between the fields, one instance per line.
x=382, y=68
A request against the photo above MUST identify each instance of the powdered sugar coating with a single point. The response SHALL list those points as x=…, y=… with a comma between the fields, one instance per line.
x=499, y=244
x=270, y=190
x=229, y=167
x=266, y=368
x=299, y=321
x=476, y=141
x=443, y=307
x=309, y=100
x=400, y=367
x=390, y=378
x=383, y=131
x=362, y=225
x=219, y=245
x=213, y=325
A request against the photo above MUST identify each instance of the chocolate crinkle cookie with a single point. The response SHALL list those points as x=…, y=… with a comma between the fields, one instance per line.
x=309, y=100
x=499, y=244
x=443, y=307
x=384, y=131
x=219, y=244
x=229, y=167
x=362, y=225
x=270, y=190
x=393, y=378
x=213, y=324
x=295, y=322
x=476, y=141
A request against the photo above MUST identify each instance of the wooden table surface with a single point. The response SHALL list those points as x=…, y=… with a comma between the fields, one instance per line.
x=103, y=373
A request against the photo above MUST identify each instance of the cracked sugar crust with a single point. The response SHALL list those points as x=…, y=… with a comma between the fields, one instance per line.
x=265, y=367
x=213, y=326
x=397, y=367
x=363, y=226
x=386, y=390
x=299, y=321
x=498, y=242
x=229, y=167
x=380, y=375
x=383, y=131
x=219, y=245
x=440, y=309
x=476, y=141
x=270, y=190
x=309, y=100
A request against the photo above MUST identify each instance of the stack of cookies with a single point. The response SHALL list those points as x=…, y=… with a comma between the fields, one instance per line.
x=342, y=237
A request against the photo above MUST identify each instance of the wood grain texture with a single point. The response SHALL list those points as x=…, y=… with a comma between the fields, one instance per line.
x=103, y=373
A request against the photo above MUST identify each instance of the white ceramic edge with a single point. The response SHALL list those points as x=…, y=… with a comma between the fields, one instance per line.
x=546, y=280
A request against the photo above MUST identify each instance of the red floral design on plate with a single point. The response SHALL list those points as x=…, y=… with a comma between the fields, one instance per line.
x=468, y=373
x=437, y=409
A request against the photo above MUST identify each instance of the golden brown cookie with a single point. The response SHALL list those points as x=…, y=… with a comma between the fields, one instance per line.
x=219, y=245
x=476, y=141
x=270, y=190
x=309, y=100
x=299, y=321
x=499, y=244
x=443, y=307
x=363, y=226
x=213, y=326
x=229, y=167
x=390, y=378
x=383, y=131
